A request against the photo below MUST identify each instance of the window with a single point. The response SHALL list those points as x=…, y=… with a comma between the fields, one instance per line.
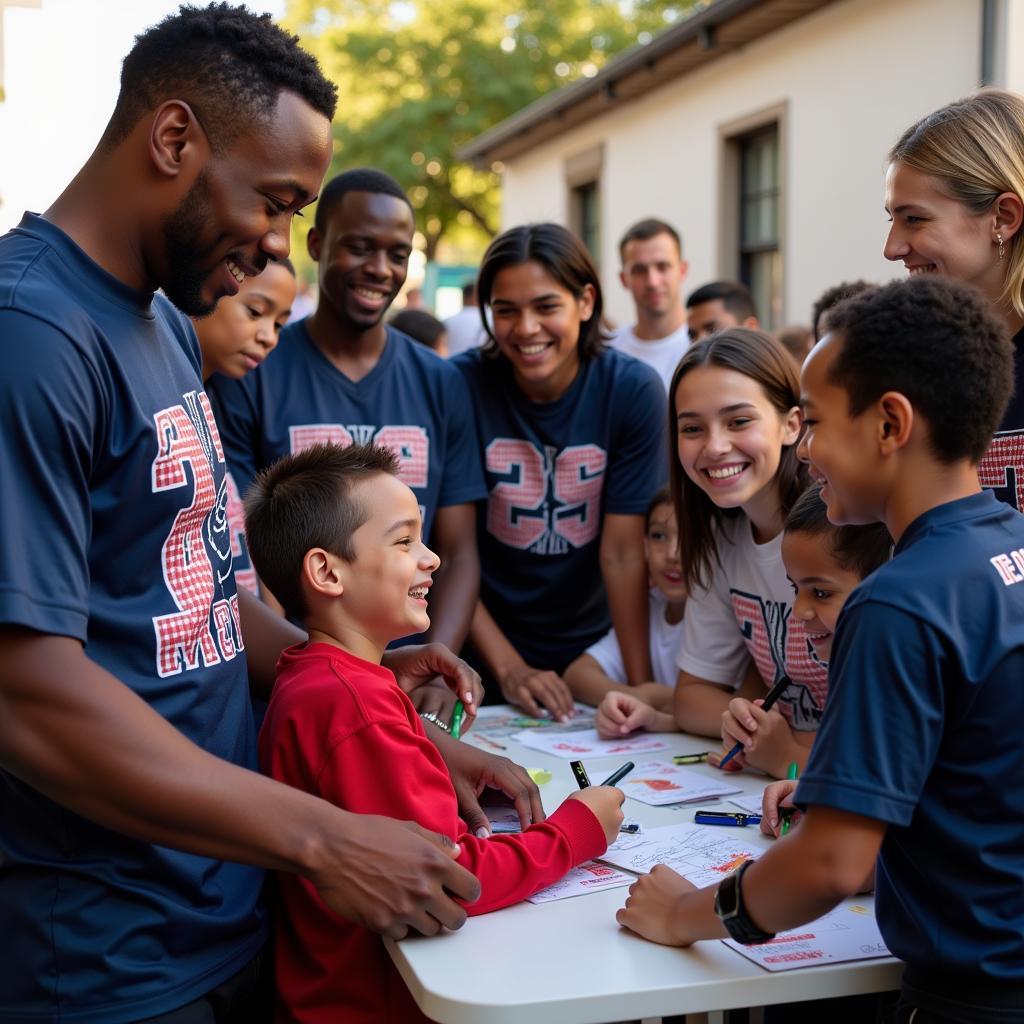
x=583, y=182
x=760, y=258
x=752, y=209
x=585, y=216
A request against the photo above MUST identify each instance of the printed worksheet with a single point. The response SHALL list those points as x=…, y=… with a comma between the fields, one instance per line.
x=702, y=854
x=659, y=783
x=500, y=720
x=589, y=877
x=849, y=932
x=749, y=802
x=586, y=743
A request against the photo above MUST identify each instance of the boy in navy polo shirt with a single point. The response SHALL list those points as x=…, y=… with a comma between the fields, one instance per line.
x=918, y=761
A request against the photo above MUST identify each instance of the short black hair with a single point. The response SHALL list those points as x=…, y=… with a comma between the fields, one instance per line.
x=227, y=63
x=857, y=549
x=651, y=227
x=305, y=501
x=419, y=325
x=358, y=179
x=832, y=297
x=938, y=343
x=563, y=256
x=735, y=297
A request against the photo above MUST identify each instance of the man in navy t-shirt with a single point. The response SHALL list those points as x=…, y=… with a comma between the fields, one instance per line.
x=918, y=761
x=342, y=375
x=127, y=810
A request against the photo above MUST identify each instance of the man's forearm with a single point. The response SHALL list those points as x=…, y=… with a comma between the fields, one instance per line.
x=266, y=635
x=625, y=578
x=77, y=734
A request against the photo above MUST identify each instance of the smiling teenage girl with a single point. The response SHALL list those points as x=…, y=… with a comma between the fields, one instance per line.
x=954, y=192
x=573, y=448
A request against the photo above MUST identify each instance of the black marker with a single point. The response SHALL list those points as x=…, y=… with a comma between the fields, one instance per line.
x=619, y=774
x=773, y=695
x=581, y=774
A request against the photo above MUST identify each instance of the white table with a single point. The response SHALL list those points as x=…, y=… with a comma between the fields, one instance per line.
x=568, y=962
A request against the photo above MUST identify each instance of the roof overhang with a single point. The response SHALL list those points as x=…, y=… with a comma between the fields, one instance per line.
x=707, y=35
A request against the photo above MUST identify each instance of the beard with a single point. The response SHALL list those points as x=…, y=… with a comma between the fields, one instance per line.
x=183, y=251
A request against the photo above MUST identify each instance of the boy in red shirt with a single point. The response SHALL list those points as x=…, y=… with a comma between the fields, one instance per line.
x=337, y=537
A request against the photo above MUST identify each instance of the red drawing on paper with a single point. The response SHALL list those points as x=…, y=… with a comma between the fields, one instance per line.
x=573, y=749
x=729, y=866
x=659, y=785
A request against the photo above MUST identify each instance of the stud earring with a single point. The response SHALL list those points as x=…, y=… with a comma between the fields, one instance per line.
x=1002, y=249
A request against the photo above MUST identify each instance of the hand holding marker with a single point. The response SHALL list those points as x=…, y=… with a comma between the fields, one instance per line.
x=774, y=694
x=583, y=781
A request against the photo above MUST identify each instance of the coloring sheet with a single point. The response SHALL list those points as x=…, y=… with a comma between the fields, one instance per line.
x=500, y=720
x=659, y=783
x=573, y=746
x=849, y=932
x=702, y=854
x=749, y=802
x=589, y=877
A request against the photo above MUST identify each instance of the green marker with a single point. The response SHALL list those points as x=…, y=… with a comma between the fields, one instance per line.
x=457, y=719
x=793, y=772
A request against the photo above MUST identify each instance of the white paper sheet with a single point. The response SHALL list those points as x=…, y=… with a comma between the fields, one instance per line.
x=702, y=854
x=659, y=783
x=588, y=877
x=749, y=802
x=502, y=819
x=849, y=932
x=586, y=743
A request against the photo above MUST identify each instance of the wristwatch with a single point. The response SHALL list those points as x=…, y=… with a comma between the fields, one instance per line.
x=731, y=912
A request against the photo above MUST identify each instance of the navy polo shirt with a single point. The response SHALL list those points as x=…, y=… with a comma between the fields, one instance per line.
x=922, y=730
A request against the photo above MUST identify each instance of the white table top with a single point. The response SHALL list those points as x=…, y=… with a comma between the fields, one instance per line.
x=569, y=962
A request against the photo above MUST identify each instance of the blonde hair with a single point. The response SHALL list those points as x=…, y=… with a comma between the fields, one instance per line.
x=975, y=148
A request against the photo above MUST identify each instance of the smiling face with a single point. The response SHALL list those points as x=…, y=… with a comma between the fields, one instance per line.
x=653, y=271
x=237, y=214
x=363, y=257
x=536, y=324
x=730, y=439
x=932, y=233
x=661, y=545
x=822, y=585
x=842, y=450
x=244, y=328
x=386, y=586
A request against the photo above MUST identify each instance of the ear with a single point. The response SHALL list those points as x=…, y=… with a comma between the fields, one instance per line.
x=313, y=242
x=586, y=301
x=321, y=572
x=622, y=278
x=1009, y=214
x=177, y=143
x=792, y=425
x=895, y=422
x=752, y=322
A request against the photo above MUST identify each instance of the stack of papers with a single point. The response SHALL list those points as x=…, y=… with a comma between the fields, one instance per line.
x=573, y=746
x=589, y=877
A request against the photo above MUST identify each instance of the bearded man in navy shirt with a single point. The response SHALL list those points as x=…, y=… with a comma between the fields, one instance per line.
x=133, y=830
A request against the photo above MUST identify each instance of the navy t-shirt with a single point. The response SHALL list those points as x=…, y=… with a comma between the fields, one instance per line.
x=922, y=731
x=412, y=401
x=1002, y=468
x=554, y=470
x=114, y=533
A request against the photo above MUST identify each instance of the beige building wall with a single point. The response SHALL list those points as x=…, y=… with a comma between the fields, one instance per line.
x=849, y=78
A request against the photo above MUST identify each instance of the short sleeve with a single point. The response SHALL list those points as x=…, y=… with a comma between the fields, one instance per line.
x=53, y=407
x=883, y=723
x=637, y=462
x=463, y=477
x=712, y=646
x=607, y=653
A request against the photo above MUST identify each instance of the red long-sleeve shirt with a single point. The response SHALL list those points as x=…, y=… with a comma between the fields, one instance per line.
x=341, y=728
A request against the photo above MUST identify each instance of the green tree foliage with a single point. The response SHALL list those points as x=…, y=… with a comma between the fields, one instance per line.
x=419, y=78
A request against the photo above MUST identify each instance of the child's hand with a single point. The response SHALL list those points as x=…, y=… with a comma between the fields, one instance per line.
x=766, y=736
x=651, y=909
x=739, y=724
x=620, y=713
x=606, y=803
x=531, y=688
x=736, y=763
x=778, y=794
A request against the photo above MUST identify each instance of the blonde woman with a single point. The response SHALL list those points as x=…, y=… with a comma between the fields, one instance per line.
x=954, y=190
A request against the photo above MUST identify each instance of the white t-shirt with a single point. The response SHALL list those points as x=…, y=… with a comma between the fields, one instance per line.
x=664, y=642
x=465, y=331
x=748, y=611
x=663, y=354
